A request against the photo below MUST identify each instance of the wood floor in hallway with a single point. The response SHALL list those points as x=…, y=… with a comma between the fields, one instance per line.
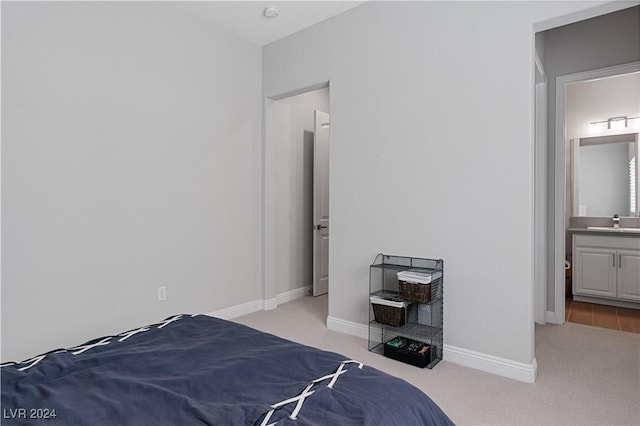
x=603, y=316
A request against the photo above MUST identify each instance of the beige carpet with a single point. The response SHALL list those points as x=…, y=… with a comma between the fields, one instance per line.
x=586, y=375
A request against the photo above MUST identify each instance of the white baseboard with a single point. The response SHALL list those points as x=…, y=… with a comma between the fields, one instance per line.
x=348, y=327
x=491, y=364
x=553, y=318
x=260, y=304
x=238, y=310
x=294, y=294
x=269, y=304
x=480, y=361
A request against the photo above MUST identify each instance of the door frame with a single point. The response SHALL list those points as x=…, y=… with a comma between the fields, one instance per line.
x=269, y=208
x=560, y=210
x=540, y=196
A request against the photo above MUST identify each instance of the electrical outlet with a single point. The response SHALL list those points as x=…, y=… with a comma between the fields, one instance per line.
x=162, y=293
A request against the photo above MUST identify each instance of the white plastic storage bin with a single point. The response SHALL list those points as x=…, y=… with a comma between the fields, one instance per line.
x=388, y=311
x=415, y=286
x=417, y=277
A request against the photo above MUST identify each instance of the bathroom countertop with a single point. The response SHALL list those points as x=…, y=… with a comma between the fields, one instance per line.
x=622, y=232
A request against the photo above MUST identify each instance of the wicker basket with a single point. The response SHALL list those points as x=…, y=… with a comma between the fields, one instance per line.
x=415, y=292
x=388, y=314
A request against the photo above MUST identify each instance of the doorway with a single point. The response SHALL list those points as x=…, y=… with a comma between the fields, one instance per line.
x=588, y=142
x=290, y=227
x=581, y=44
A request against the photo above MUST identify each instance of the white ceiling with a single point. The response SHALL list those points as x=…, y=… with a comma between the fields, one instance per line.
x=246, y=20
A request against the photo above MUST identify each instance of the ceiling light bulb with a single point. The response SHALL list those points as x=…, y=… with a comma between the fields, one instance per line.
x=271, y=11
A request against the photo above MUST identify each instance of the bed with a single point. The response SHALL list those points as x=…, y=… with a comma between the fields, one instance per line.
x=199, y=370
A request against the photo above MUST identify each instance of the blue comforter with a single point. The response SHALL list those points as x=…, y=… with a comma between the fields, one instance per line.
x=199, y=370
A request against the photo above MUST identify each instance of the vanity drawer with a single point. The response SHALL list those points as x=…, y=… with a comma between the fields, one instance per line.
x=607, y=241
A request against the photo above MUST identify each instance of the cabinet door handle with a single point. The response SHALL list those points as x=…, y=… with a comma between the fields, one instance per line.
x=614, y=259
x=619, y=261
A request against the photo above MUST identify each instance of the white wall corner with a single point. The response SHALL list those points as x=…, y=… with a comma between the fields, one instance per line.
x=554, y=318
x=269, y=304
x=503, y=367
x=260, y=304
x=238, y=310
x=348, y=327
x=294, y=294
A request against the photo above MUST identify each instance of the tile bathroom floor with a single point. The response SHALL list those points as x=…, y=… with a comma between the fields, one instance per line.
x=604, y=316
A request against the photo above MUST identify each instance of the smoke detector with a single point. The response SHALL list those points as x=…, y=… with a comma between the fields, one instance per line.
x=271, y=12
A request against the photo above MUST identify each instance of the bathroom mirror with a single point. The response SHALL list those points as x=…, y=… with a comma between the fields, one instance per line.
x=605, y=175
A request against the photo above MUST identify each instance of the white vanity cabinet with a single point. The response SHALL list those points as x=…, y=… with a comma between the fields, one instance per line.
x=629, y=275
x=606, y=266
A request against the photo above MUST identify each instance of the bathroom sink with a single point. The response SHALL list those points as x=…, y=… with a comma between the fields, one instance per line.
x=611, y=228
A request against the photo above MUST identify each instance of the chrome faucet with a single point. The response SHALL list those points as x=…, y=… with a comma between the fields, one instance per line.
x=616, y=221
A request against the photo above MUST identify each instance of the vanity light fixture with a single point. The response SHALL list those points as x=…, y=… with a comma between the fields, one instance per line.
x=617, y=123
x=614, y=123
x=271, y=12
x=634, y=122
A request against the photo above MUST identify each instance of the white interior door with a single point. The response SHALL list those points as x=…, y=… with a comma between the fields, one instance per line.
x=321, y=203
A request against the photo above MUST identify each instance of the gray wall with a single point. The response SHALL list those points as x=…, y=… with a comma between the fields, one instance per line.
x=292, y=120
x=131, y=158
x=426, y=159
x=598, y=100
x=600, y=42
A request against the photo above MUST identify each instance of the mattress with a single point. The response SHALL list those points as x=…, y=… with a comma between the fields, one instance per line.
x=200, y=370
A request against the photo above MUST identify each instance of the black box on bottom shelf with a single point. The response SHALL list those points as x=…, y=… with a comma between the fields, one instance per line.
x=408, y=351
